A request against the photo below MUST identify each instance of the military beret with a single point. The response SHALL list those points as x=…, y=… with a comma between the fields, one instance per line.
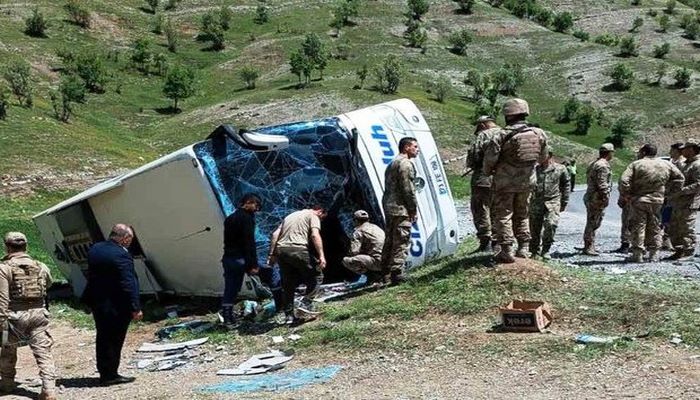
x=484, y=118
x=607, y=147
x=16, y=238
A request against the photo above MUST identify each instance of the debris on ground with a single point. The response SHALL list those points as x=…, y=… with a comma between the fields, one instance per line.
x=276, y=382
x=345, y=290
x=676, y=339
x=525, y=316
x=260, y=363
x=593, y=339
x=156, y=347
x=196, y=326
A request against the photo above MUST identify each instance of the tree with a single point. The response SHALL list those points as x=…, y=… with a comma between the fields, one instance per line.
x=158, y=22
x=300, y=65
x=70, y=90
x=682, y=77
x=36, y=24
x=142, y=54
x=213, y=31
x=19, y=77
x=692, y=30
x=622, y=76
x=171, y=37
x=78, y=13
x=153, y=4
x=179, y=84
x=4, y=103
x=345, y=10
x=479, y=82
x=441, y=88
x=388, y=75
x=362, y=75
x=249, y=75
x=460, y=40
x=670, y=6
x=638, y=22
x=508, y=78
x=225, y=16
x=622, y=127
x=563, y=22
x=664, y=23
x=584, y=119
x=466, y=6
x=544, y=17
x=569, y=111
x=417, y=38
x=661, y=72
x=628, y=47
x=90, y=67
x=160, y=62
x=417, y=8
x=662, y=50
x=315, y=50
x=582, y=35
x=262, y=16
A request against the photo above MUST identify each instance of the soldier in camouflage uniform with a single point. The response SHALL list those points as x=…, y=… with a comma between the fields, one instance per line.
x=686, y=203
x=678, y=161
x=400, y=209
x=23, y=317
x=480, y=201
x=365, y=256
x=511, y=157
x=643, y=185
x=597, y=197
x=549, y=197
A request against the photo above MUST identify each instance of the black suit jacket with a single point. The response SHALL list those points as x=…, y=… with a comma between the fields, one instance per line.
x=112, y=282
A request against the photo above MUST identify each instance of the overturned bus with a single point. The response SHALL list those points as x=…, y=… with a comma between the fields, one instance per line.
x=177, y=204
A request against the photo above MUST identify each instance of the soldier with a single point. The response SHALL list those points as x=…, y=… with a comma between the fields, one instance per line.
x=550, y=197
x=481, y=183
x=686, y=203
x=23, y=317
x=365, y=256
x=597, y=197
x=678, y=160
x=571, y=169
x=400, y=209
x=511, y=157
x=642, y=186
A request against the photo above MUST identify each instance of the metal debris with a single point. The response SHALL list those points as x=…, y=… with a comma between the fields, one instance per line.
x=155, y=347
x=260, y=363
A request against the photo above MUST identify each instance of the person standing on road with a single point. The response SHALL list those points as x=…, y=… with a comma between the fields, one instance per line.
x=240, y=252
x=480, y=200
x=297, y=247
x=678, y=160
x=24, y=319
x=510, y=157
x=112, y=293
x=643, y=185
x=366, y=245
x=400, y=210
x=597, y=197
x=571, y=169
x=550, y=197
x=686, y=203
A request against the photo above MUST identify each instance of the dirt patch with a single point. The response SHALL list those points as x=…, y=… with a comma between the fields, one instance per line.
x=526, y=270
x=109, y=27
x=43, y=178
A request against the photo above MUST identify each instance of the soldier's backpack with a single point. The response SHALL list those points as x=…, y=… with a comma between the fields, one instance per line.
x=27, y=281
x=521, y=147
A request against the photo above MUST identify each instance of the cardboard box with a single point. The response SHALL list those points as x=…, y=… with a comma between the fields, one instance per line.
x=525, y=316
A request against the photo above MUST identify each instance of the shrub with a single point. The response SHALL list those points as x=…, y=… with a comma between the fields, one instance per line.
x=142, y=55
x=4, y=103
x=213, y=31
x=171, y=37
x=153, y=4
x=362, y=75
x=652, y=13
x=70, y=90
x=622, y=76
x=638, y=22
x=160, y=62
x=484, y=108
x=262, y=16
x=569, y=110
x=622, y=127
x=664, y=23
x=662, y=50
x=418, y=8
x=417, y=38
x=179, y=84
x=479, y=82
x=544, y=17
x=158, y=22
x=661, y=72
x=563, y=21
x=90, y=67
x=315, y=50
x=345, y=10
x=78, y=13
x=171, y=4
x=19, y=77
x=636, y=2
x=36, y=24
x=582, y=35
x=607, y=39
x=628, y=47
x=249, y=75
x=670, y=6
x=225, y=16
x=441, y=88
x=584, y=119
x=460, y=40
x=682, y=77
x=508, y=78
x=692, y=30
x=466, y=6
x=301, y=65
x=388, y=75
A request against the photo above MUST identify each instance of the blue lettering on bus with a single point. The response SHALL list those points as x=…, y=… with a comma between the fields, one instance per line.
x=383, y=140
x=416, y=249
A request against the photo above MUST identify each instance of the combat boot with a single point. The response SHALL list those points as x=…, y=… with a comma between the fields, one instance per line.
x=484, y=245
x=226, y=317
x=495, y=247
x=545, y=252
x=504, y=256
x=523, y=250
x=667, y=245
x=653, y=256
x=47, y=395
x=636, y=257
x=623, y=249
x=589, y=249
x=7, y=386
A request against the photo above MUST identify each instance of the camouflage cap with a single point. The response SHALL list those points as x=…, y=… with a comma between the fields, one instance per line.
x=15, y=238
x=692, y=142
x=360, y=214
x=484, y=118
x=516, y=107
x=607, y=147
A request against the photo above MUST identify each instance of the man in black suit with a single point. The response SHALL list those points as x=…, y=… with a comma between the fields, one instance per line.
x=113, y=294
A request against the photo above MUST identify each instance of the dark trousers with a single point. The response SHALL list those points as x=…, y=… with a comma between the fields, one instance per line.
x=572, y=179
x=234, y=269
x=297, y=267
x=111, y=327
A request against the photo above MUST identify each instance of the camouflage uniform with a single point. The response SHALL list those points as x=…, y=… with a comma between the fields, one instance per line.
x=365, y=249
x=686, y=203
x=512, y=183
x=23, y=284
x=643, y=185
x=597, y=197
x=550, y=196
x=480, y=201
x=399, y=204
x=668, y=236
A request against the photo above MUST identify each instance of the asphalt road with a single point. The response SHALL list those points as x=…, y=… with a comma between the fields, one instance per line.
x=569, y=241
